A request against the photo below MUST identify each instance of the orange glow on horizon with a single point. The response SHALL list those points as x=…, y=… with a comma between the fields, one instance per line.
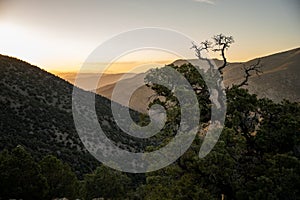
x=118, y=67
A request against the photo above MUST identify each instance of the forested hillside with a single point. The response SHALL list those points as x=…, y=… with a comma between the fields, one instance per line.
x=36, y=112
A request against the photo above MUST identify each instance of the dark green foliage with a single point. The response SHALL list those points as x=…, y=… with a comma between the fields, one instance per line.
x=107, y=183
x=61, y=180
x=280, y=127
x=21, y=177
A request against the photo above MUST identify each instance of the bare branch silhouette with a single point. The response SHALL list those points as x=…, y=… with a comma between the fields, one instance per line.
x=248, y=72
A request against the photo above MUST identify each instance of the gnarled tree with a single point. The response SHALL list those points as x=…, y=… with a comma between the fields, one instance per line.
x=220, y=43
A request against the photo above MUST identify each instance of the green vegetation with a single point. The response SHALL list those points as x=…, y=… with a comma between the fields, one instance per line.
x=107, y=183
x=21, y=177
x=61, y=180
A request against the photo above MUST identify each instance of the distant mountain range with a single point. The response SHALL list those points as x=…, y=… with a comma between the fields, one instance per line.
x=280, y=79
x=85, y=79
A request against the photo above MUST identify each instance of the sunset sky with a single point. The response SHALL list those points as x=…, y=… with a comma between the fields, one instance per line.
x=58, y=35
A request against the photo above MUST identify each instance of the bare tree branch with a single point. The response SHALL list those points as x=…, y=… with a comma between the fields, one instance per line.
x=248, y=72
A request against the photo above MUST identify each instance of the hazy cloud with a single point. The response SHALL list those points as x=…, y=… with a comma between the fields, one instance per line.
x=213, y=2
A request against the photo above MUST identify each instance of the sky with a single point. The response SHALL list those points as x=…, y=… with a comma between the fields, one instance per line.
x=59, y=35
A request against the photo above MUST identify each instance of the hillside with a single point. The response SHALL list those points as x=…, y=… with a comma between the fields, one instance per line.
x=36, y=112
x=280, y=78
